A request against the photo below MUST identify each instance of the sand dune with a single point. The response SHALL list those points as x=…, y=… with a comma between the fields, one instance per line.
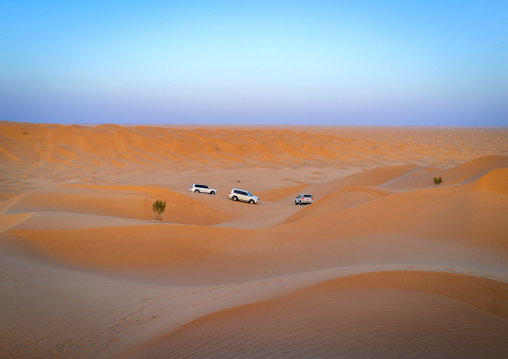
x=364, y=314
x=126, y=146
x=447, y=214
x=474, y=169
x=384, y=263
x=495, y=181
x=10, y=220
x=136, y=246
x=468, y=171
x=372, y=177
x=117, y=201
x=343, y=199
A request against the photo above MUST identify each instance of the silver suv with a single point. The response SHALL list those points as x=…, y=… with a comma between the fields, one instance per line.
x=201, y=188
x=243, y=195
x=304, y=199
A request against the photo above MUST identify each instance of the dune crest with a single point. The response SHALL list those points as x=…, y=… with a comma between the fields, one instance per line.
x=495, y=181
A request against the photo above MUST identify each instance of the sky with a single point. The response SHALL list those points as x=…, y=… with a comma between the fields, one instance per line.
x=255, y=62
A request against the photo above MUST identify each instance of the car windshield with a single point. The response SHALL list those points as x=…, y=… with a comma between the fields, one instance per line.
x=250, y=194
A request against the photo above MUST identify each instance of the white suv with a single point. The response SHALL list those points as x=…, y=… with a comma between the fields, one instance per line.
x=201, y=188
x=304, y=199
x=243, y=195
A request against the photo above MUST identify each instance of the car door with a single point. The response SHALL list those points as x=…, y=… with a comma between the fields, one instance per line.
x=242, y=196
x=238, y=194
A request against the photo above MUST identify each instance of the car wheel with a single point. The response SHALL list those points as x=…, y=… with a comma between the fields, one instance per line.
x=251, y=201
x=197, y=191
x=235, y=198
x=212, y=193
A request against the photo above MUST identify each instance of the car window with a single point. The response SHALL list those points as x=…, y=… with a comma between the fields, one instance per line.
x=243, y=193
x=308, y=196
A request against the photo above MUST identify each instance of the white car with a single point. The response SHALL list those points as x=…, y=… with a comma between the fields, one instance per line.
x=201, y=188
x=243, y=195
x=304, y=199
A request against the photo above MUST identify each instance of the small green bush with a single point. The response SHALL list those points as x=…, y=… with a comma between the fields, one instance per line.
x=158, y=209
x=437, y=180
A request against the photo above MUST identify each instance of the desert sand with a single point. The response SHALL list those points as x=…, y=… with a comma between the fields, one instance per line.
x=384, y=264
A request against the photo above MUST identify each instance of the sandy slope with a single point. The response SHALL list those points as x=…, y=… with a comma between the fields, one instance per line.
x=343, y=199
x=117, y=201
x=384, y=264
x=387, y=314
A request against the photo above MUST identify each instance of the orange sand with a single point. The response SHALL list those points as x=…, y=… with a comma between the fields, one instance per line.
x=384, y=264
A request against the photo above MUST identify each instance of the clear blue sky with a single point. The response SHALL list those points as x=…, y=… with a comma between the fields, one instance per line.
x=285, y=62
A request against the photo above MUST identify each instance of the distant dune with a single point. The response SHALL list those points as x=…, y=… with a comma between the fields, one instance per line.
x=122, y=146
x=384, y=263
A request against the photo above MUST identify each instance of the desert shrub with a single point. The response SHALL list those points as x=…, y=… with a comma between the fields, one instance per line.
x=158, y=209
x=437, y=180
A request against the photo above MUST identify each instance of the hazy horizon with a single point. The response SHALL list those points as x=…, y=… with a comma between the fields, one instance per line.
x=284, y=63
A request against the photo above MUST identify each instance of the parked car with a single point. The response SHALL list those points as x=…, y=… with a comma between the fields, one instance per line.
x=201, y=188
x=243, y=195
x=304, y=199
